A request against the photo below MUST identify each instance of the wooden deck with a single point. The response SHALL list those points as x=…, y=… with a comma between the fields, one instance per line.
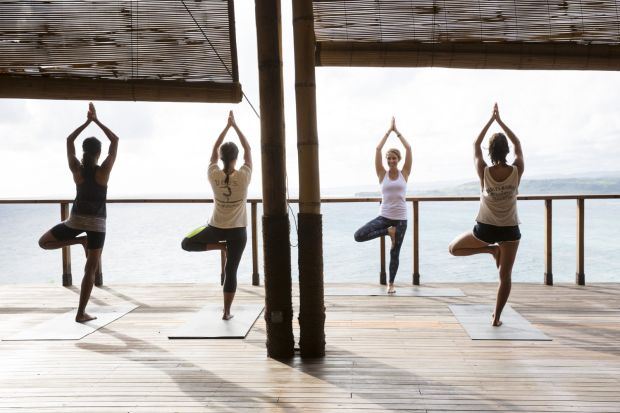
x=384, y=354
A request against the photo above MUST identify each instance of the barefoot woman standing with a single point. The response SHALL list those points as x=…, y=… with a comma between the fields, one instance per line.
x=392, y=219
x=497, y=226
x=88, y=213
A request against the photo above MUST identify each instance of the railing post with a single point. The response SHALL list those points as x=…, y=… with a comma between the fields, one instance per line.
x=255, y=275
x=382, y=278
x=67, y=279
x=580, y=277
x=416, y=244
x=548, y=243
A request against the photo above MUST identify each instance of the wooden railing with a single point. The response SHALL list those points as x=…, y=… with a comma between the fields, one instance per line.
x=415, y=201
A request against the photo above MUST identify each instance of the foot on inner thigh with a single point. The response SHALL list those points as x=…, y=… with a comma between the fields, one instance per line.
x=81, y=318
x=496, y=322
x=392, y=233
x=496, y=252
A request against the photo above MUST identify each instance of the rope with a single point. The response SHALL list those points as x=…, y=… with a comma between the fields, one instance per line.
x=218, y=55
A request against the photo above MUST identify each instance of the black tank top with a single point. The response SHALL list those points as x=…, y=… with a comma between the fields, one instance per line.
x=90, y=198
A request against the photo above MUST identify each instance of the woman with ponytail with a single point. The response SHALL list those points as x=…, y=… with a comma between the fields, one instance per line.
x=229, y=221
x=497, y=226
x=88, y=213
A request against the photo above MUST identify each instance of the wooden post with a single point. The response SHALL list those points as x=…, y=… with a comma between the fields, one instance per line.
x=276, y=226
x=382, y=276
x=416, y=244
x=580, y=276
x=67, y=279
x=255, y=274
x=311, y=300
x=548, y=243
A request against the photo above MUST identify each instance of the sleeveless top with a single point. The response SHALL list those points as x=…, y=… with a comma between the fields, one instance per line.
x=89, y=207
x=393, y=192
x=229, y=197
x=498, y=200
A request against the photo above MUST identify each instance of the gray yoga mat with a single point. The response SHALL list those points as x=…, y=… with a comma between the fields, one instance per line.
x=208, y=323
x=400, y=291
x=64, y=327
x=476, y=320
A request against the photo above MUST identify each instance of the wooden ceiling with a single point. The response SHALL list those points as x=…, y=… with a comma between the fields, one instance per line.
x=518, y=34
x=150, y=50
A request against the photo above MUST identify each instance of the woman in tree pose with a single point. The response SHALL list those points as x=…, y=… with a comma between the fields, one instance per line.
x=497, y=226
x=229, y=220
x=392, y=219
x=88, y=213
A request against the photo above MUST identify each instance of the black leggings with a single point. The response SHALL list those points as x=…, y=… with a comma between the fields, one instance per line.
x=235, y=238
x=378, y=227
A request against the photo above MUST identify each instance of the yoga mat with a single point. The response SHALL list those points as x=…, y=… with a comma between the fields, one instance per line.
x=208, y=323
x=64, y=327
x=476, y=320
x=400, y=291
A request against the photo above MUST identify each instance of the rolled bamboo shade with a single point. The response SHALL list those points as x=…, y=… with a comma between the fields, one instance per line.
x=518, y=34
x=118, y=50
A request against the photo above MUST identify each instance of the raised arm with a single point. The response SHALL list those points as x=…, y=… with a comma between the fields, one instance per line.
x=379, y=155
x=479, y=162
x=108, y=162
x=218, y=143
x=74, y=163
x=408, y=157
x=247, y=151
x=519, y=161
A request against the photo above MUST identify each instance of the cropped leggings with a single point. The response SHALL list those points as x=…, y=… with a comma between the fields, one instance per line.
x=377, y=228
x=235, y=238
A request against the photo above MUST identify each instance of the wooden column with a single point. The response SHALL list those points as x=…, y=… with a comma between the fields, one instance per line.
x=311, y=300
x=276, y=240
x=548, y=243
x=416, y=243
x=580, y=276
x=67, y=278
x=255, y=274
x=382, y=275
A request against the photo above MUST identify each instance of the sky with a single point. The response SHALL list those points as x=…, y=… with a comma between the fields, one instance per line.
x=567, y=121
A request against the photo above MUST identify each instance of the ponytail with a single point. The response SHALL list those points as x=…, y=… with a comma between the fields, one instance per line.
x=228, y=154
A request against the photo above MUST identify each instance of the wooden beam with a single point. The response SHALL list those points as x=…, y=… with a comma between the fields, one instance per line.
x=500, y=55
x=311, y=300
x=276, y=241
x=30, y=87
x=548, y=242
x=580, y=276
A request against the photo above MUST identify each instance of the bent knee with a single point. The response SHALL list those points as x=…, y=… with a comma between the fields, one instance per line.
x=451, y=248
x=185, y=244
x=358, y=236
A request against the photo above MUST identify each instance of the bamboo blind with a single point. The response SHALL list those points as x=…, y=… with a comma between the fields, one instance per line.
x=544, y=34
x=152, y=46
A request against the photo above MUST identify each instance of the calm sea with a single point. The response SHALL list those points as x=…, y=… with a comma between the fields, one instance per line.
x=143, y=244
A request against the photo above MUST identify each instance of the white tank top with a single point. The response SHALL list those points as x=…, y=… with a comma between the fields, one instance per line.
x=498, y=200
x=393, y=203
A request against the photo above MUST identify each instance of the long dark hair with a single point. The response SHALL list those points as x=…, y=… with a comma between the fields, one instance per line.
x=92, y=148
x=498, y=148
x=228, y=154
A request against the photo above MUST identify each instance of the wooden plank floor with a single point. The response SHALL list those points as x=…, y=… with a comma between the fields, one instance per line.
x=384, y=354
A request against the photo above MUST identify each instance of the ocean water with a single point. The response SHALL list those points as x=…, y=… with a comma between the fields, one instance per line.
x=143, y=244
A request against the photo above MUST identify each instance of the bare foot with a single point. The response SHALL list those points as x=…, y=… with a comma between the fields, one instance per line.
x=82, y=318
x=496, y=254
x=391, y=289
x=392, y=233
x=227, y=316
x=495, y=322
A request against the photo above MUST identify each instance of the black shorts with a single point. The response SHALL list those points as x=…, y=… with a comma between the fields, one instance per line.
x=94, y=240
x=492, y=234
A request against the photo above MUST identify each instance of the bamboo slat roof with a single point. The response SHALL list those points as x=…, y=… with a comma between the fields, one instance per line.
x=119, y=50
x=519, y=34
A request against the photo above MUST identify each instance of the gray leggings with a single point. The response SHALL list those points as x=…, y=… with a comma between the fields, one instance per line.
x=235, y=238
x=377, y=228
